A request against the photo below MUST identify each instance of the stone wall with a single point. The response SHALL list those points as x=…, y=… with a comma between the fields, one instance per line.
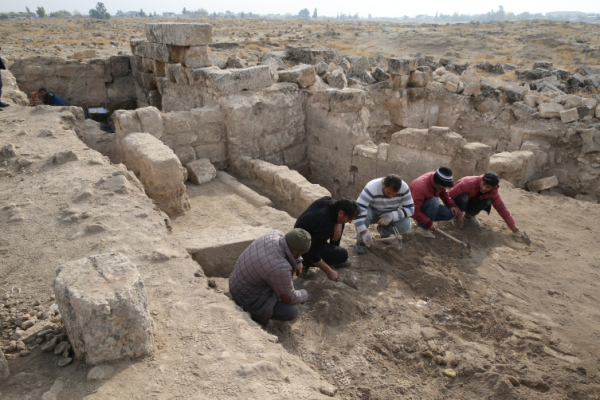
x=96, y=83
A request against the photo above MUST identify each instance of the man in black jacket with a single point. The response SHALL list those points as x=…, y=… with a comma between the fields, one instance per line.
x=2, y=66
x=324, y=220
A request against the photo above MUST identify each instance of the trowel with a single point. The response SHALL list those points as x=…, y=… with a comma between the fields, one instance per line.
x=346, y=280
x=525, y=237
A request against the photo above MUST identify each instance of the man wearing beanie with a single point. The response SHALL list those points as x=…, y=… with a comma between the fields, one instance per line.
x=472, y=194
x=261, y=281
x=427, y=190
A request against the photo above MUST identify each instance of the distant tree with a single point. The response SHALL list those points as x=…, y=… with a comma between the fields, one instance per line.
x=242, y=15
x=41, y=13
x=184, y=11
x=3, y=17
x=315, y=14
x=28, y=11
x=304, y=13
x=142, y=13
x=202, y=12
x=60, y=14
x=76, y=13
x=99, y=12
x=370, y=16
x=120, y=13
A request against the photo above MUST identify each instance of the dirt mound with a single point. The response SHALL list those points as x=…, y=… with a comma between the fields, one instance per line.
x=335, y=308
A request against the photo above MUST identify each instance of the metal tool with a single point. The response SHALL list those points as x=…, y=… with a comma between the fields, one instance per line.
x=396, y=236
x=525, y=237
x=346, y=280
x=464, y=244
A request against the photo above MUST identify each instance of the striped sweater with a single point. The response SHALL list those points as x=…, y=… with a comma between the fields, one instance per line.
x=372, y=196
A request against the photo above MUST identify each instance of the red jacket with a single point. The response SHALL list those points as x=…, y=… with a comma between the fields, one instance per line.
x=423, y=188
x=471, y=185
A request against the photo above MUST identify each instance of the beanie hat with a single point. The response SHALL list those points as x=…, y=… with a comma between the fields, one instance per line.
x=491, y=178
x=298, y=240
x=443, y=177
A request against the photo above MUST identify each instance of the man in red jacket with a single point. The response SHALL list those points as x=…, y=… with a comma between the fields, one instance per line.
x=427, y=190
x=472, y=194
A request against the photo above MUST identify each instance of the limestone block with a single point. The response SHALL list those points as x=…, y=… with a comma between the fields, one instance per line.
x=451, y=87
x=231, y=80
x=367, y=150
x=4, y=371
x=598, y=111
x=380, y=75
x=521, y=111
x=159, y=170
x=419, y=78
x=471, y=80
x=84, y=54
x=121, y=92
x=177, y=97
x=201, y=171
x=540, y=149
x=530, y=101
x=166, y=53
x=442, y=141
x=98, y=139
x=411, y=137
x=119, y=65
x=542, y=184
x=196, y=57
x=346, y=100
x=145, y=80
x=104, y=307
x=550, y=110
x=254, y=198
x=210, y=124
x=382, y=151
x=302, y=74
x=569, y=116
x=398, y=81
x=591, y=140
x=176, y=73
x=294, y=155
x=402, y=65
x=125, y=123
x=141, y=48
x=178, y=122
x=517, y=167
x=336, y=79
x=180, y=34
x=585, y=111
x=150, y=121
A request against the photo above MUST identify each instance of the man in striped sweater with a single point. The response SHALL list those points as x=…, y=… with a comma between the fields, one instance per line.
x=386, y=201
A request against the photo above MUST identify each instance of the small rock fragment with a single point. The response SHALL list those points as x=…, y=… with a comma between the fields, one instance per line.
x=50, y=345
x=450, y=372
x=514, y=381
x=64, y=362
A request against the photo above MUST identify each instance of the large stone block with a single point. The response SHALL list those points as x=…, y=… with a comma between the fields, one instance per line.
x=303, y=75
x=196, y=57
x=591, y=140
x=167, y=53
x=4, y=371
x=104, y=308
x=402, y=65
x=215, y=152
x=180, y=34
x=342, y=101
x=411, y=137
x=517, y=167
x=176, y=73
x=201, y=171
x=542, y=184
x=177, y=97
x=550, y=110
x=141, y=48
x=119, y=65
x=150, y=121
x=159, y=170
x=569, y=116
x=231, y=80
x=126, y=122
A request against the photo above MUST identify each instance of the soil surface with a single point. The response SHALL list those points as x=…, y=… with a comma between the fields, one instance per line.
x=567, y=44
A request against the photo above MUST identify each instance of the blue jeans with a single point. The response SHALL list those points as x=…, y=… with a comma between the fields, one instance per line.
x=435, y=211
x=403, y=225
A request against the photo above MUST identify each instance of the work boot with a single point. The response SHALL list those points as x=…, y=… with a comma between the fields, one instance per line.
x=345, y=264
x=360, y=248
x=2, y=104
x=425, y=233
x=472, y=220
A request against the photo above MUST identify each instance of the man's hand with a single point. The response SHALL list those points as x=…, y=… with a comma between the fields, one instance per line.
x=455, y=211
x=433, y=228
x=515, y=229
x=367, y=238
x=460, y=221
x=386, y=218
x=333, y=275
x=299, y=273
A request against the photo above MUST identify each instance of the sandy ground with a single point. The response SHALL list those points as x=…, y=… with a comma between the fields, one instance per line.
x=521, y=43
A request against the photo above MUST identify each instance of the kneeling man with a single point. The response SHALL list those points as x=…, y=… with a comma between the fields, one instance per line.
x=427, y=190
x=261, y=281
x=325, y=219
x=472, y=194
x=386, y=202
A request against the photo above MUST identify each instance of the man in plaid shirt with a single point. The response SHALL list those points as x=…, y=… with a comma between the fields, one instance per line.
x=261, y=281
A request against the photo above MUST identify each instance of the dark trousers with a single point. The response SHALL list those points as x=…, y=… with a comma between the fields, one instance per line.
x=334, y=254
x=435, y=211
x=285, y=312
x=0, y=84
x=462, y=202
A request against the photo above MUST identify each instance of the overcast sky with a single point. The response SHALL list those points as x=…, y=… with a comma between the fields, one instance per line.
x=380, y=8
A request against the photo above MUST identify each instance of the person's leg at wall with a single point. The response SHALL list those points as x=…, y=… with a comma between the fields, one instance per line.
x=285, y=312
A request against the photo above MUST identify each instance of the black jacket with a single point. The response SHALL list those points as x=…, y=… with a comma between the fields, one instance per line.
x=319, y=220
x=2, y=66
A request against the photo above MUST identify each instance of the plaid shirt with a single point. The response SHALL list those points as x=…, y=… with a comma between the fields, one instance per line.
x=262, y=274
